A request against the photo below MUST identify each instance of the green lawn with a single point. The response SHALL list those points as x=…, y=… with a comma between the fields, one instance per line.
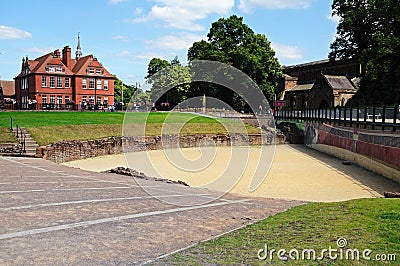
x=6, y=135
x=366, y=224
x=49, y=127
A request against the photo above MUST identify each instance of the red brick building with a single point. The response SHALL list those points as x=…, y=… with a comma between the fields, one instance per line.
x=58, y=81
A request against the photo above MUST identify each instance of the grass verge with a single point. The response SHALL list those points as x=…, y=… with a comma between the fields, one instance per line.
x=50, y=127
x=366, y=224
x=6, y=135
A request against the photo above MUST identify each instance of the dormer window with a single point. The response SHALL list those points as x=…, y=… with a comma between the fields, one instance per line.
x=98, y=71
x=91, y=70
x=51, y=68
x=59, y=69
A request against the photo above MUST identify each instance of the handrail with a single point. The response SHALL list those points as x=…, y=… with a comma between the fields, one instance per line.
x=21, y=136
x=381, y=117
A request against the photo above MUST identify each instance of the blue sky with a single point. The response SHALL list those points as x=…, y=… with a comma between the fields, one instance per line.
x=125, y=34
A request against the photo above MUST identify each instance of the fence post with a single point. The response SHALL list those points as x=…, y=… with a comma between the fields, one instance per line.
x=11, y=127
x=365, y=117
x=351, y=116
x=395, y=113
x=373, y=117
x=17, y=131
x=383, y=117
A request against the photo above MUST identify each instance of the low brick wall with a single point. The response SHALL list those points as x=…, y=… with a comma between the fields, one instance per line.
x=66, y=151
x=377, y=146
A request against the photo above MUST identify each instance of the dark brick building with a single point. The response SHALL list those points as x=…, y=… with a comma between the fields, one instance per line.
x=319, y=84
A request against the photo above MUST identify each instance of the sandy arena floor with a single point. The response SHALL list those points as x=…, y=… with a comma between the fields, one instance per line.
x=297, y=172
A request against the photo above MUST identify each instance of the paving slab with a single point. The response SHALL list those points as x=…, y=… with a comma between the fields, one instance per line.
x=52, y=214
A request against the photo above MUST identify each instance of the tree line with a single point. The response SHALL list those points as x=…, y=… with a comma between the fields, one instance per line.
x=368, y=30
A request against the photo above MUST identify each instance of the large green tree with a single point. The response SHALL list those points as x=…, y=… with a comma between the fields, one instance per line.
x=232, y=42
x=369, y=30
x=164, y=75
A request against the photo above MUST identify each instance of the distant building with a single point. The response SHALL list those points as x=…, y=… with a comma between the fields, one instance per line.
x=58, y=81
x=319, y=84
x=7, y=94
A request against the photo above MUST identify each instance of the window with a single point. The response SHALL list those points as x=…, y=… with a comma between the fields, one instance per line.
x=98, y=84
x=24, y=83
x=99, y=100
x=98, y=71
x=106, y=100
x=52, y=99
x=106, y=84
x=44, y=82
x=51, y=68
x=84, y=84
x=91, y=83
x=91, y=70
x=44, y=98
x=66, y=99
x=58, y=69
x=59, y=82
x=59, y=100
x=84, y=98
x=92, y=99
x=66, y=82
x=52, y=84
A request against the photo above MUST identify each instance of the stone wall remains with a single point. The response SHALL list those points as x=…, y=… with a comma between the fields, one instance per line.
x=72, y=150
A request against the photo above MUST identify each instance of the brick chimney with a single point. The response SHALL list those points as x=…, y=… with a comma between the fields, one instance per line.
x=66, y=56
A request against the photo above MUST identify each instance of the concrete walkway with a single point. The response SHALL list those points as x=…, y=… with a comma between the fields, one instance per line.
x=55, y=215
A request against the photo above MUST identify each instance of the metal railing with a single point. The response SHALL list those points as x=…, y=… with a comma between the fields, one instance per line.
x=20, y=134
x=371, y=117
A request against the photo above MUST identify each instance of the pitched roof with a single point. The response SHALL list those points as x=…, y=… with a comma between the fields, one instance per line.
x=8, y=87
x=302, y=87
x=77, y=66
x=83, y=63
x=339, y=82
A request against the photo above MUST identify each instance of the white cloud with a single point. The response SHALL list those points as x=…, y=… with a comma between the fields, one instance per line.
x=151, y=55
x=40, y=50
x=184, y=14
x=9, y=33
x=138, y=11
x=334, y=18
x=116, y=2
x=287, y=52
x=123, y=54
x=174, y=42
x=121, y=38
x=249, y=5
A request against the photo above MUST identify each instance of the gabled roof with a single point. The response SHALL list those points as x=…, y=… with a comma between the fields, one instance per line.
x=339, y=82
x=77, y=66
x=302, y=87
x=85, y=62
x=8, y=87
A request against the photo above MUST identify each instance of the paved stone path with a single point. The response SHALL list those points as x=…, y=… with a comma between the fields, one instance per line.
x=55, y=215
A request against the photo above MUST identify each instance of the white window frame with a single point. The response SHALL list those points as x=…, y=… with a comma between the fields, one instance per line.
x=52, y=82
x=51, y=68
x=105, y=85
x=67, y=82
x=52, y=99
x=59, y=69
x=44, y=81
x=98, y=84
x=84, y=83
x=91, y=83
x=59, y=82
x=58, y=100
